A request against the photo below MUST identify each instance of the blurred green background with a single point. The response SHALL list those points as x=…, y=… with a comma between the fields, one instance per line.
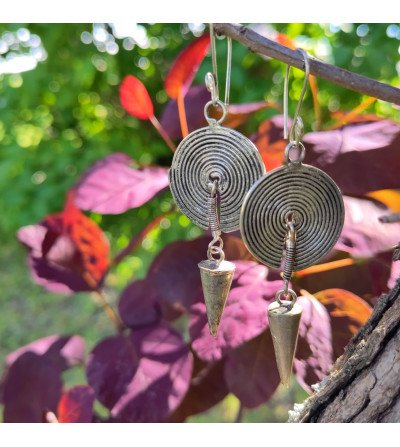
x=60, y=111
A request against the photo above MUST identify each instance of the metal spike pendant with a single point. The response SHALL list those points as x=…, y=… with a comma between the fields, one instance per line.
x=284, y=325
x=216, y=279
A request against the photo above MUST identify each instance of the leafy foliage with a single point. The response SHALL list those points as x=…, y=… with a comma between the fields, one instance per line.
x=162, y=364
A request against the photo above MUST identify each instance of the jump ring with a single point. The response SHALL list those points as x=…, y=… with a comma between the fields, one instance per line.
x=301, y=156
x=283, y=292
x=212, y=121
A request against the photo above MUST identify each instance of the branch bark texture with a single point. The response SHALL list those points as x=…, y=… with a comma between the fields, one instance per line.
x=267, y=47
x=363, y=385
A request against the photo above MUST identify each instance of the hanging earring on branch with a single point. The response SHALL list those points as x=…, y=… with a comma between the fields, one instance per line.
x=212, y=169
x=291, y=216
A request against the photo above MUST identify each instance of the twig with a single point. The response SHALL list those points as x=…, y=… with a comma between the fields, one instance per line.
x=180, y=101
x=239, y=415
x=160, y=129
x=339, y=76
x=109, y=310
x=137, y=238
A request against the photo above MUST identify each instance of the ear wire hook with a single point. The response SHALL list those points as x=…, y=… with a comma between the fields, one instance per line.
x=296, y=129
x=212, y=83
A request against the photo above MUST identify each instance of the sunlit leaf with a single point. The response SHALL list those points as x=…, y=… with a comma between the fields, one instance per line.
x=112, y=186
x=185, y=66
x=347, y=312
x=76, y=405
x=314, y=354
x=363, y=234
x=244, y=316
x=360, y=157
x=68, y=252
x=135, y=98
x=142, y=376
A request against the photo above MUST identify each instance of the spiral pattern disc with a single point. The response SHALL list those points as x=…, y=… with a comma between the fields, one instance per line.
x=318, y=209
x=207, y=153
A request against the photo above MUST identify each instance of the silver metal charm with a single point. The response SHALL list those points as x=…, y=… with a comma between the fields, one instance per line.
x=293, y=215
x=317, y=206
x=210, y=153
x=211, y=171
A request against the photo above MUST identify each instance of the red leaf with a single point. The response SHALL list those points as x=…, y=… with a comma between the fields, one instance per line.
x=366, y=278
x=76, y=405
x=184, y=68
x=68, y=252
x=87, y=237
x=347, y=312
x=135, y=98
x=269, y=141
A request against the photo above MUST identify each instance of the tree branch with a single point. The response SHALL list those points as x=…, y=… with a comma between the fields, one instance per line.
x=363, y=384
x=339, y=76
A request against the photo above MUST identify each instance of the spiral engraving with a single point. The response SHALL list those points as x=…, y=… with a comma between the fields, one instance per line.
x=314, y=200
x=211, y=153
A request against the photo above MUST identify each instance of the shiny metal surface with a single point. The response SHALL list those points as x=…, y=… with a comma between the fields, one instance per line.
x=316, y=203
x=209, y=153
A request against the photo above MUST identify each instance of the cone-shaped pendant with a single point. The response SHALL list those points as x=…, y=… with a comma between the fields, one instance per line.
x=284, y=325
x=216, y=279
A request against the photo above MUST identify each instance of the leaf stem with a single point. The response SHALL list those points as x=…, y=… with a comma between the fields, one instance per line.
x=101, y=299
x=239, y=415
x=182, y=113
x=137, y=239
x=162, y=133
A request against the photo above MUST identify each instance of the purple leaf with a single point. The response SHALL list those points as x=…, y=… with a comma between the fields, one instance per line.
x=314, y=348
x=112, y=186
x=141, y=377
x=363, y=235
x=195, y=100
x=394, y=274
x=57, y=270
x=174, y=274
x=360, y=157
x=162, y=380
x=138, y=306
x=69, y=350
x=111, y=366
x=207, y=388
x=32, y=387
x=250, y=371
x=76, y=405
x=244, y=317
x=32, y=384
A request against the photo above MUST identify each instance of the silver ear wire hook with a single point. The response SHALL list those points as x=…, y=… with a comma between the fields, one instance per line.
x=211, y=80
x=296, y=129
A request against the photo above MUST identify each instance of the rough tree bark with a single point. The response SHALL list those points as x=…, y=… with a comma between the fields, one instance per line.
x=363, y=385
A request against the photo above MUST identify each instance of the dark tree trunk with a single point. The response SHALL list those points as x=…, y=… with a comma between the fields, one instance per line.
x=364, y=383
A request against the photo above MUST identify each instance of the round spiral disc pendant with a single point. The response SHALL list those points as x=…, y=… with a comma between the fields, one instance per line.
x=210, y=153
x=313, y=199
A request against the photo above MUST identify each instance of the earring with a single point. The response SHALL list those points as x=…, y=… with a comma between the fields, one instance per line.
x=211, y=171
x=291, y=216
